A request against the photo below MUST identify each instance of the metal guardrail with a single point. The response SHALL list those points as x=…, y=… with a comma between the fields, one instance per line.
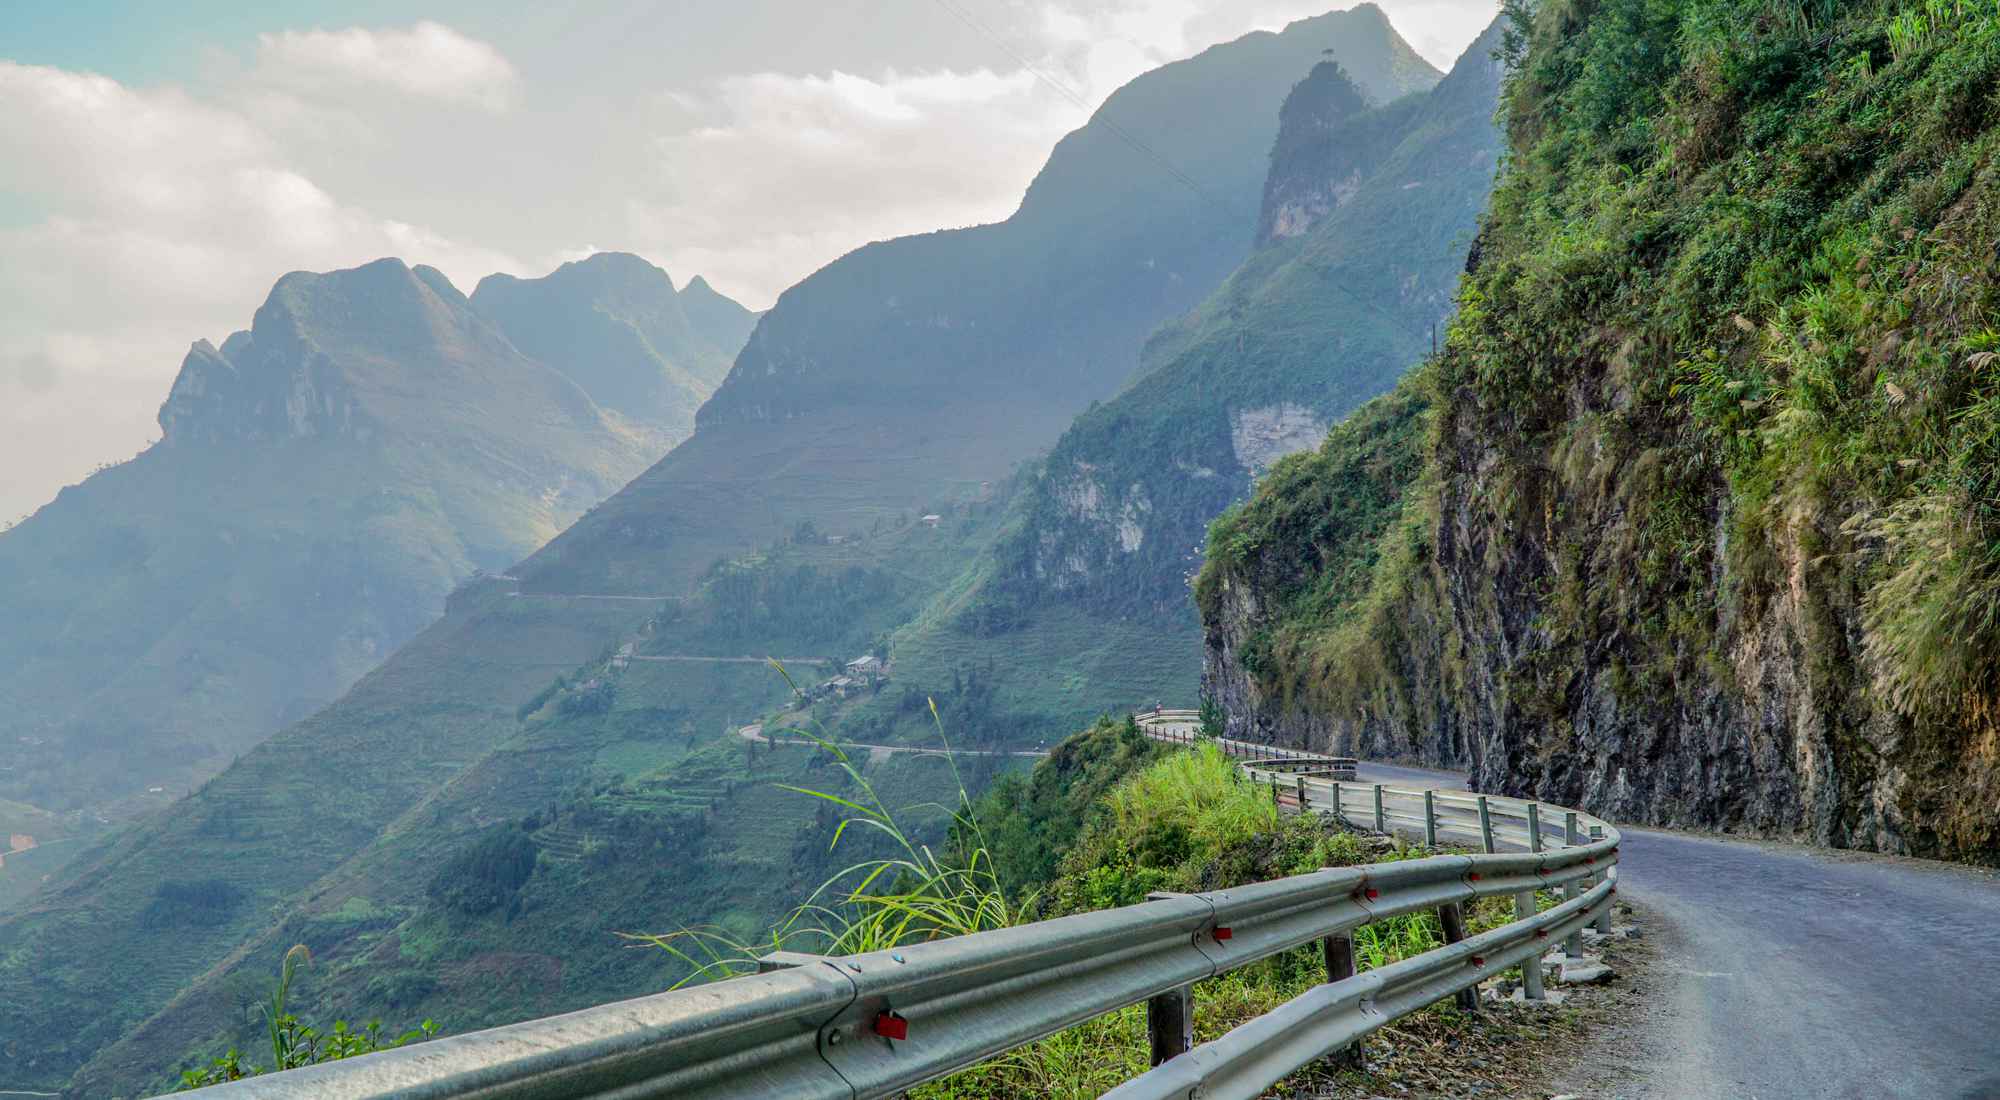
x=871, y=1025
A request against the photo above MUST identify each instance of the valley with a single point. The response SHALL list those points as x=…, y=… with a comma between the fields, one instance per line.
x=1603, y=422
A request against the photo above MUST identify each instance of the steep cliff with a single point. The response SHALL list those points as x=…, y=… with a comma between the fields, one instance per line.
x=1703, y=531
x=1082, y=600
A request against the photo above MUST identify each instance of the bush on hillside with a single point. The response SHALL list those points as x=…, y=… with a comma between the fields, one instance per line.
x=201, y=903
x=487, y=874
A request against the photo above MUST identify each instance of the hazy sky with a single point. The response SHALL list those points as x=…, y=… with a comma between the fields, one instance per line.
x=162, y=164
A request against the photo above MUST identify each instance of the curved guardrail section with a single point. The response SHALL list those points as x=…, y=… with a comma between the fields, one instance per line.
x=864, y=1026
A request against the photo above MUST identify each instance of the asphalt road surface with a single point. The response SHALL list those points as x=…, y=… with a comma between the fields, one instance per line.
x=1800, y=972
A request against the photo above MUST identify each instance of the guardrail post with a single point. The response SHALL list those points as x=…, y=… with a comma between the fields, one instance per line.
x=1573, y=946
x=1430, y=819
x=1486, y=824
x=1381, y=819
x=1170, y=1023
x=1534, y=827
x=1603, y=921
x=1452, y=917
x=1571, y=838
x=1339, y=813
x=1338, y=950
x=1531, y=968
x=1302, y=795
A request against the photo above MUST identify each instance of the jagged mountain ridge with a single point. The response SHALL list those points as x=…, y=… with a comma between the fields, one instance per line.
x=949, y=356
x=1085, y=590
x=324, y=478
x=648, y=354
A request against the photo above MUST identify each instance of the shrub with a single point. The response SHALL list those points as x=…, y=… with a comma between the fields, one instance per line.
x=202, y=903
x=295, y=1044
x=486, y=875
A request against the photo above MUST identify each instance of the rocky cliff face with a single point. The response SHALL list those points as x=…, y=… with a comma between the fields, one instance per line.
x=1366, y=213
x=1684, y=545
x=1313, y=168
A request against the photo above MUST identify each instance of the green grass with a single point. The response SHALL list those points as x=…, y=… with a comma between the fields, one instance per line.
x=1184, y=821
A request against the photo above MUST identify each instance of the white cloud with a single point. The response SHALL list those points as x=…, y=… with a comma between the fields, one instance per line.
x=171, y=219
x=428, y=60
x=789, y=172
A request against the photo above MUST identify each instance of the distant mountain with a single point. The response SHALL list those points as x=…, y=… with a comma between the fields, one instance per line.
x=848, y=468
x=615, y=326
x=1368, y=214
x=325, y=478
x=910, y=371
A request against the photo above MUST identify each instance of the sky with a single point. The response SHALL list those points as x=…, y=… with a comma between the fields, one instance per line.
x=162, y=165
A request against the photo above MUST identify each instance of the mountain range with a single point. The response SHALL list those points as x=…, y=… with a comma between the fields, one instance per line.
x=871, y=446
x=324, y=478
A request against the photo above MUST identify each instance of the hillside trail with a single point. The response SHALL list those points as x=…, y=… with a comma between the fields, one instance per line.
x=1792, y=971
x=876, y=753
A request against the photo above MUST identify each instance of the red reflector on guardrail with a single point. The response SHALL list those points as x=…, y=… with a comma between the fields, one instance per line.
x=1222, y=932
x=1479, y=960
x=1370, y=893
x=1541, y=933
x=1472, y=876
x=891, y=1026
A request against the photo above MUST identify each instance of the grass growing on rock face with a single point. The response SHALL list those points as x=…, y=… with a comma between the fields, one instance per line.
x=1726, y=366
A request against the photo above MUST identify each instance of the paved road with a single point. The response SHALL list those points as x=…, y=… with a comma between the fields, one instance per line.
x=1798, y=972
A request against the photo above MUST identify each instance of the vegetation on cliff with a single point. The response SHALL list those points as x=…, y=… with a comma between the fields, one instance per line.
x=1707, y=529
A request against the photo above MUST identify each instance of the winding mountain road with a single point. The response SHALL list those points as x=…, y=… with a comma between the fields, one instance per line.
x=1802, y=972
x=1793, y=972
x=878, y=753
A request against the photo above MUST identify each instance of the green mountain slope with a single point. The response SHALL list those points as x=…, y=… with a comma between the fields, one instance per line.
x=1703, y=532
x=1367, y=216
x=901, y=382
